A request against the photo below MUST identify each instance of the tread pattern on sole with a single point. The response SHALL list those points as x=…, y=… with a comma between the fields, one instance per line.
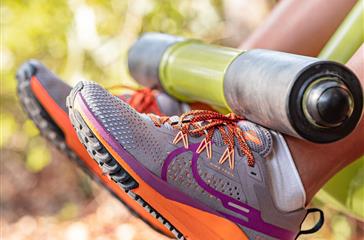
x=49, y=130
x=41, y=118
x=109, y=165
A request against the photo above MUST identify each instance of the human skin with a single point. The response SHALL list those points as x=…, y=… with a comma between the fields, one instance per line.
x=317, y=163
x=308, y=25
x=300, y=27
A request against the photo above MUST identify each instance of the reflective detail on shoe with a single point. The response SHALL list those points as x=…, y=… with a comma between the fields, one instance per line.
x=238, y=207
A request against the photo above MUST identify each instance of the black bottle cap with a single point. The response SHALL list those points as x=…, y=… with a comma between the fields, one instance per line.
x=329, y=103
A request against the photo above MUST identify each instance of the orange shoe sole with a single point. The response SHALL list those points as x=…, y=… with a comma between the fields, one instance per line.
x=53, y=122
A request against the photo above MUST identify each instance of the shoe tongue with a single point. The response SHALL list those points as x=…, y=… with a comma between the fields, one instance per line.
x=258, y=138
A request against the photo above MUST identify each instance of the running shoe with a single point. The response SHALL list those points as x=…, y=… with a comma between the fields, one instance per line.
x=205, y=175
x=43, y=96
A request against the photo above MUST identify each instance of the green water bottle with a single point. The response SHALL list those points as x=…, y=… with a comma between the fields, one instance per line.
x=305, y=97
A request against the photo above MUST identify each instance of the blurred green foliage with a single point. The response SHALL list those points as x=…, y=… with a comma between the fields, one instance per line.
x=68, y=211
x=342, y=228
x=37, y=157
x=82, y=39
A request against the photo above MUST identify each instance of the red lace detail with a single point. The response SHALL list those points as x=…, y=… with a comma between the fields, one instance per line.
x=143, y=100
x=190, y=123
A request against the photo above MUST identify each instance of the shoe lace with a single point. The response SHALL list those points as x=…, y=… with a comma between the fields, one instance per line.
x=143, y=99
x=199, y=122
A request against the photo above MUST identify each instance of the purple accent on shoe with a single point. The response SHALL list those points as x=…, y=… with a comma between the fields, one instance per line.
x=161, y=186
x=171, y=157
x=254, y=222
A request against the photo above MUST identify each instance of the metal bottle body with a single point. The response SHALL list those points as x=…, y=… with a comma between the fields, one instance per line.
x=258, y=84
x=270, y=88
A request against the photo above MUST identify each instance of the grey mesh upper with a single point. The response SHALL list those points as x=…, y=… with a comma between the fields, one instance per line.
x=150, y=145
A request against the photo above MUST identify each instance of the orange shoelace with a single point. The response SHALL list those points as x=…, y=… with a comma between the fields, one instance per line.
x=143, y=100
x=199, y=122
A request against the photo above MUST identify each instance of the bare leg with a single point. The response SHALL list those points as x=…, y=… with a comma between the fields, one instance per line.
x=317, y=163
x=301, y=27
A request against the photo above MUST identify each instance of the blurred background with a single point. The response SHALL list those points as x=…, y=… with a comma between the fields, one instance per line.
x=43, y=195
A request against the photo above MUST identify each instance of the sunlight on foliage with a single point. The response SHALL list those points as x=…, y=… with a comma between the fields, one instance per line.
x=30, y=129
x=38, y=157
x=8, y=127
x=68, y=211
x=342, y=228
x=356, y=192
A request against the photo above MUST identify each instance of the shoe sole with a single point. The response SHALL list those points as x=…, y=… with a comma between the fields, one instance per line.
x=179, y=218
x=110, y=166
x=49, y=130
